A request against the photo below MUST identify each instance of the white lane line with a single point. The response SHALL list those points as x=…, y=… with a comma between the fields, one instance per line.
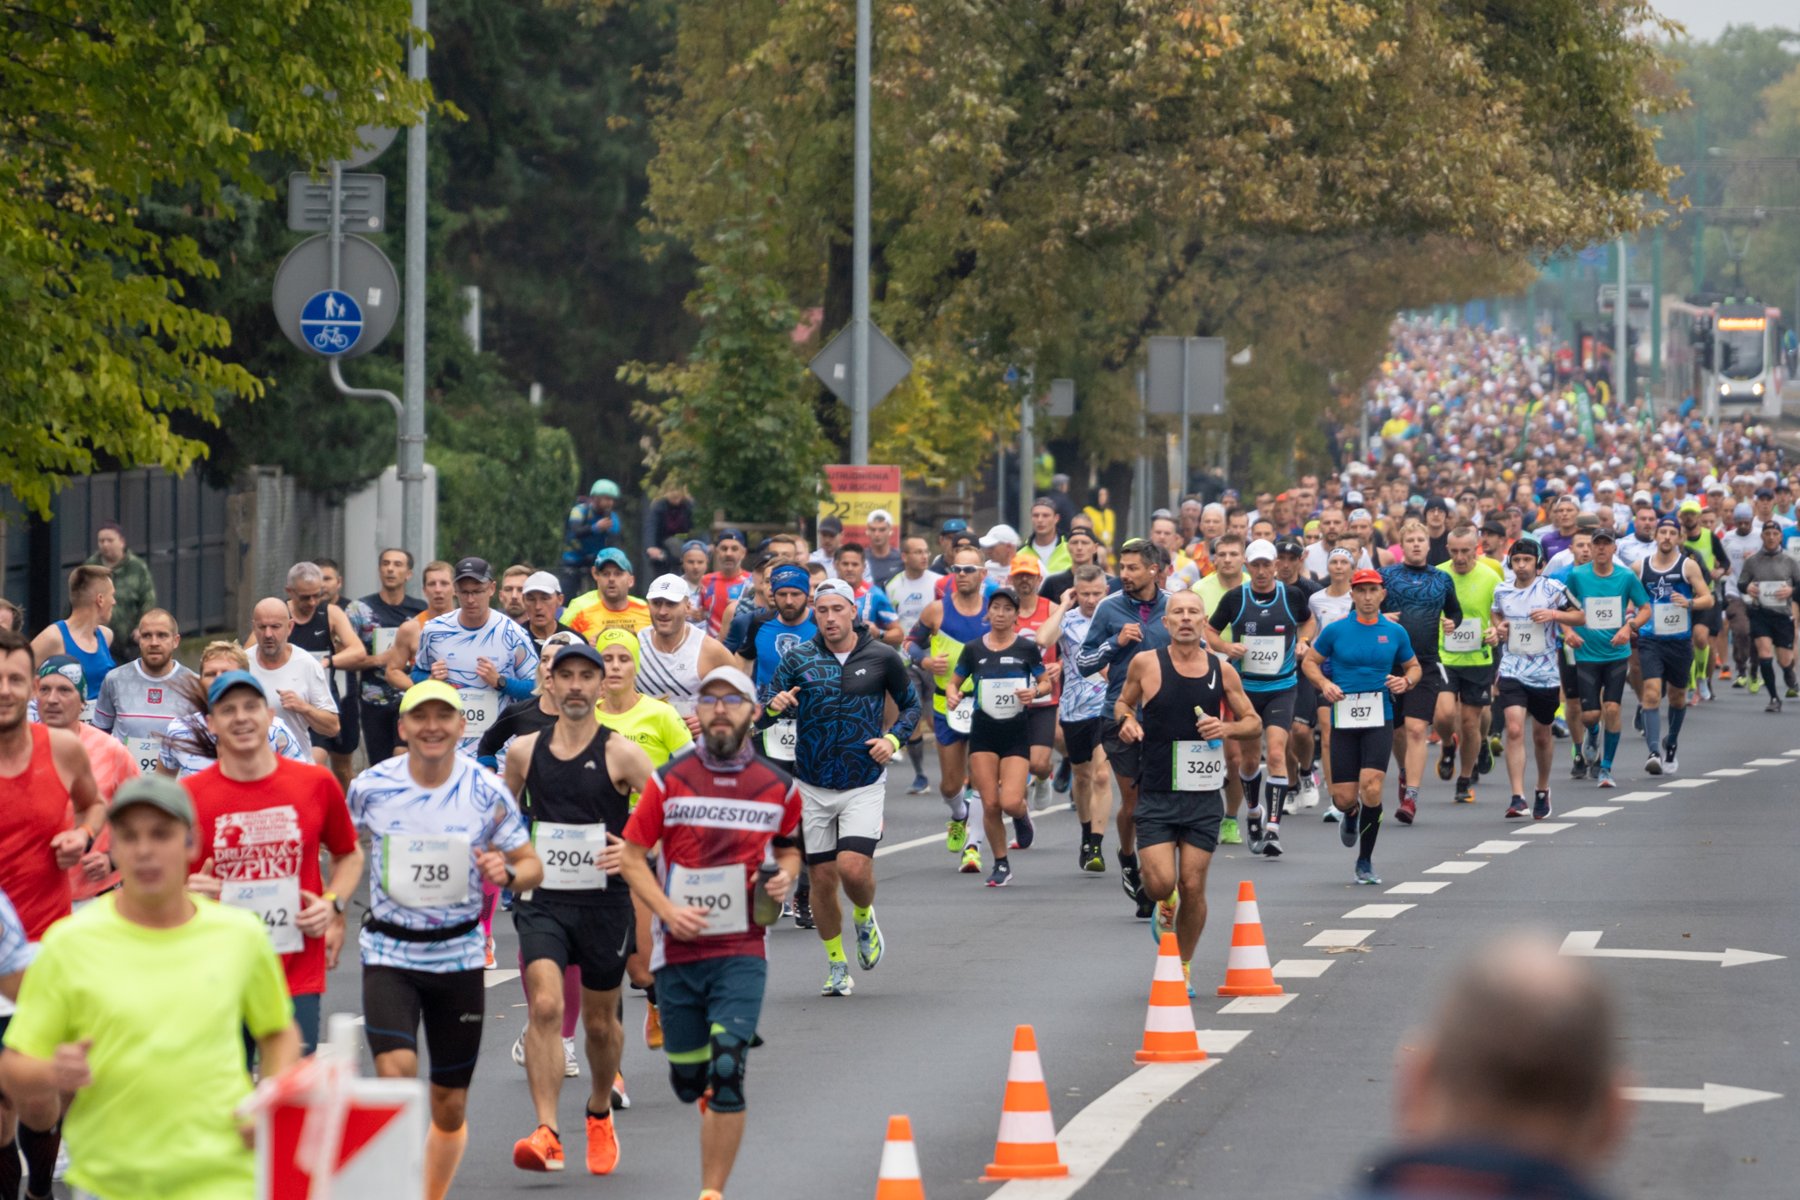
x=1494, y=848
x=1420, y=889
x=1636, y=797
x=1543, y=828
x=1098, y=1131
x=1338, y=938
x=1730, y=772
x=1595, y=810
x=1687, y=783
x=1220, y=1041
x=1376, y=912
x=1455, y=867
x=1767, y=762
x=497, y=977
x=1250, y=1005
x=1792, y=753
x=1301, y=968
x=938, y=838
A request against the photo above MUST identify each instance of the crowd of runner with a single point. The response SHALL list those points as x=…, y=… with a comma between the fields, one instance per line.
x=648, y=779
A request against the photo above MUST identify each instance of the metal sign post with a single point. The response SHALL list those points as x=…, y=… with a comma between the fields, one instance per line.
x=860, y=401
x=412, y=421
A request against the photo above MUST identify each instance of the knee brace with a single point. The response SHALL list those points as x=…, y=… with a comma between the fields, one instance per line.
x=688, y=1076
x=726, y=1073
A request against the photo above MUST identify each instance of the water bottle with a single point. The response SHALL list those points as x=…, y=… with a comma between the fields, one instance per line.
x=765, y=910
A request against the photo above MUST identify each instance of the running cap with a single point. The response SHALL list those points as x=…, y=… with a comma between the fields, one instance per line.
x=545, y=582
x=835, y=587
x=423, y=692
x=1527, y=545
x=578, y=650
x=1692, y=506
x=1000, y=535
x=474, y=568
x=954, y=525
x=1742, y=512
x=830, y=525
x=1366, y=575
x=232, y=679
x=1261, y=550
x=1006, y=594
x=879, y=514
x=695, y=544
x=1605, y=535
x=1671, y=522
x=612, y=556
x=153, y=791
x=67, y=667
x=1026, y=564
x=1081, y=531
x=604, y=487
x=790, y=576
x=1288, y=545
x=619, y=637
x=668, y=587
x=731, y=533
x=732, y=678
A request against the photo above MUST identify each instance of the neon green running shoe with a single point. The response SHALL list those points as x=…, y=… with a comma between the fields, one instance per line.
x=958, y=836
x=1228, y=833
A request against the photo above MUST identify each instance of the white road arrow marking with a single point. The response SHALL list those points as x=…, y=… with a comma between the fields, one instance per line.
x=1586, y=944
x=1711, y=1097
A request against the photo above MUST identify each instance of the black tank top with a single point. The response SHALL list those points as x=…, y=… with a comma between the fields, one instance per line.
x=315, y=638
x=1168, y=717
x=576, y=791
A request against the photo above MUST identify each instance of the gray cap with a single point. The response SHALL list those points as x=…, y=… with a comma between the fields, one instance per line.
x=156, y=791
x=733, y=678
x=1742, y=512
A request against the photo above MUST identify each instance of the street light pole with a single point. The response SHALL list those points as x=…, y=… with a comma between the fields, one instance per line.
x=859, y=286
x=1621, y=307
x=412, y=424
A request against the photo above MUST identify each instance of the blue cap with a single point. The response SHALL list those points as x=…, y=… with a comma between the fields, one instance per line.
x=577, y=650
x=954, y=525
x=788, y=575
x=231, y=679
x=694, y=544
x=1671, y=522
x=736, y=535
x=615, y=556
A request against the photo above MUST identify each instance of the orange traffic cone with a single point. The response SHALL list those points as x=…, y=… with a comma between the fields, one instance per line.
x=1247, y=971
x=1169, y=1034
x=1026, y=1147
x=899, y=1178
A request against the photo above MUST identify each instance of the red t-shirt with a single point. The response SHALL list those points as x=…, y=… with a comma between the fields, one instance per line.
x=36, y=810
x=707, y=818
x=1028, y=627
x=270, y=829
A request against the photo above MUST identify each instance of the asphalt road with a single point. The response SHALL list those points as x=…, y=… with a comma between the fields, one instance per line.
x=1294, y=1101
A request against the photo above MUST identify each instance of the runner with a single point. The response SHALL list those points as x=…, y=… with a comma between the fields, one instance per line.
x=936, y=640
x=83, y=635
x=1603, y=643
x=510, y=597
x=1423, y=601
x=293, y=679
x=1169, y=697
x=728, y=823
x=1704, y=545
x=572, y=784
x=1040, y=714
x=541, y=599
x=1045, y=544
x=1302, y=754
x=1079, y=712
x=1528, y=617
x=1359, y=667
x=1740, y=542
x=135, y=1009
x=1007, y=672
x=873, y=608
x=1467, y=653
x=323, y=629
x=534, y=714
x=439, y=827
x=610, y=605
x=60, y=688
x=393, y=611
x=1227, y=556
x=1083, y=549
x=673, y=656
x=440, y=598
x=260, y=823
x=138, y=700
x=883, y=559
x=187, y=745
x=910, y=592
x=727, y=581
x=1678, y=589
x=837, y=686
x=482, y=654
x=1768, y=582
x=1328, y=604
x=1125, y=624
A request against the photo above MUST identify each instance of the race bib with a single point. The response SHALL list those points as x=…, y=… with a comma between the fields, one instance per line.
x=1465, y=638
x=480, y=707
x=1263, y=655
x=1670, y=620
x=1767, y=596
x=1527, y=638
x=571, y=856
x=962, y=717
x=1198, y=766
x=1604, y=612
x=146, y=752
x=87, y=711
x=425, y=872
x=721, y=891
x=780, y=739
x=276, y=901
x=1360, y=710
x=999, y=698
x=384, y=640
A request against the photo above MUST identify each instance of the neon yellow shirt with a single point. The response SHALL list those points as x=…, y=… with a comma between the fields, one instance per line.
x=165, y=1009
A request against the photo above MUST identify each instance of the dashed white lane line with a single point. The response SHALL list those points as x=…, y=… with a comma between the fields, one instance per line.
x=1688, y=783
x=1420, y=888
x=1097, y=1132
x=1301, y=968
x=1595, y=810
x=1455, y=867
x=1792, y=753
x=1730, y=772
x=1220, y=1041
x=1494, y=848
x=1338, y=938
x=1636, y=797
x=1543, y=828
x=1767, y=762
x=1376, y=912
x=1256, y=1005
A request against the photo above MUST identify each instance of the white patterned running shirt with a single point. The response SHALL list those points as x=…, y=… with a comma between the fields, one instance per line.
x=502, y=641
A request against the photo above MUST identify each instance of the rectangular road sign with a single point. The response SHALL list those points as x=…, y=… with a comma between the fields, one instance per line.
x=363, y=196
x=1205, y=375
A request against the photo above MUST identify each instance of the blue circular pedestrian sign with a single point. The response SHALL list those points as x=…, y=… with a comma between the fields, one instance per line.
x=331, y=322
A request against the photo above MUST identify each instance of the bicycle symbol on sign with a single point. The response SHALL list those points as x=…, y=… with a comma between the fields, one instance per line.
x=331, y=338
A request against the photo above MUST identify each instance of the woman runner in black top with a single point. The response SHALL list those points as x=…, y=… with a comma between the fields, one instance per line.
x=1007, y=673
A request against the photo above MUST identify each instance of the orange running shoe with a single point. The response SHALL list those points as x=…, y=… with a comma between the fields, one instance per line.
x=653, y=1034
x=490, y=953
x=543, y=1150
x=602, y=1145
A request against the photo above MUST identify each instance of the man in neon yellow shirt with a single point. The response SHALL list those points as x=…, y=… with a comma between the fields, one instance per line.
x=136, y=1004
x=1467, y=654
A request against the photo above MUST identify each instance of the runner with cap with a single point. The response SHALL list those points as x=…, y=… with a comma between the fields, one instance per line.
x=188, y=746
x=610, y=605
x=1079, y=713
x=482, y=654
x=1302, y=754
x=673, y=656
x=393, y=611
x=1005, y=674
x=1040, y=714
x=139, y=699
x=1467, y=654
x=911, y=591
x=728, y=581
x=1330, y=603
x=1361, y=665
x=1665, y=648
x=830, y=530
x=952, y=529
x=1528, y=618
x=943, y=629
x=440, y=826
x=837, y=686
x=591, y=528
x=1000, y=544
x=1769, y=582
x=260, y=824
x=135, y=1009
x=543, y=601
x=1614, y=607
x=727, y=821
x=1740, y=542
x=572, y=783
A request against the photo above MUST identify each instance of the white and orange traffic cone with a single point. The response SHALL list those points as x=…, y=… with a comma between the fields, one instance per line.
x=1169, y=1034
x=1026, y=1147
x=899, y=1178
x=1247, y=971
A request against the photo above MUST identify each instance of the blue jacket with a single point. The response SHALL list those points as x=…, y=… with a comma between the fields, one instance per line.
x=841, y=708
x=1101, y=650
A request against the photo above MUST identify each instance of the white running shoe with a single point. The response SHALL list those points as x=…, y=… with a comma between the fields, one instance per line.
x=1309, y=792
x=571, y=1064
